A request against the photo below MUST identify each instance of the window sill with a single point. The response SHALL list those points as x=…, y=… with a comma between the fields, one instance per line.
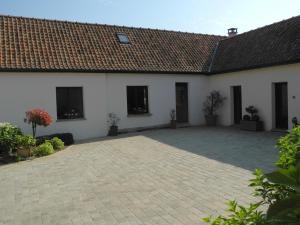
x=70, y=120
x=139, y=115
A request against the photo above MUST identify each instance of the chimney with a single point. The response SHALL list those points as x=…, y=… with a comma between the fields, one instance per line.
x=232, y=32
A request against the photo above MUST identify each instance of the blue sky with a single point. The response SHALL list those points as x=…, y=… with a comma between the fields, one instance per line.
x=200, y=16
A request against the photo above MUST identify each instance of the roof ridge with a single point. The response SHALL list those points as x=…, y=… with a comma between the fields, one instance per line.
x=108, y=25
x=259, y=28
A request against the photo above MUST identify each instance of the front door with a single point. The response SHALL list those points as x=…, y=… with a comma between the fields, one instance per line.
x=237, y=104
x=182, y=102
x=281, y=105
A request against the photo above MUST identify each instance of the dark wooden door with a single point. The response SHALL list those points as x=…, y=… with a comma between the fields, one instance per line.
x=237, y=104
x=182, y=102
x=281, y=105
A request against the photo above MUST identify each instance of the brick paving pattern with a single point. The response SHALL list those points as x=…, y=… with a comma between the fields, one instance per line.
x=155, y=177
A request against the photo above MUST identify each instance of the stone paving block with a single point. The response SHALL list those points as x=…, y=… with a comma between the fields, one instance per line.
x=155, y=177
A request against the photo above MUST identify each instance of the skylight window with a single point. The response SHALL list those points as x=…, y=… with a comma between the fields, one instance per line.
x=123, y=38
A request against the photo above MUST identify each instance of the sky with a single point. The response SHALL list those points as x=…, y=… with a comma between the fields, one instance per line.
x=198, y=16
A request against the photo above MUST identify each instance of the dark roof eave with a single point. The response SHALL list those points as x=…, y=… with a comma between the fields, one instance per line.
x=255, y=67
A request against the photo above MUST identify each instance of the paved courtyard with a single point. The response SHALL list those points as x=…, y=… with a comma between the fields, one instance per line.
x=154, y=177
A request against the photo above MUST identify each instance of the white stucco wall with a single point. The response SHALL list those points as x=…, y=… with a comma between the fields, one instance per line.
x=257, y=90
x=161, y=95
x=20, y=92
x=102, y=93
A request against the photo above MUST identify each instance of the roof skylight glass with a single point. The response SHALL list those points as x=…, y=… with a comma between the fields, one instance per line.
x=123, y=38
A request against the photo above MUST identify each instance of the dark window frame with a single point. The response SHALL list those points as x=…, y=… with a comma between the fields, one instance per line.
x=69, y=109
x=133, y=104
x=127, y=42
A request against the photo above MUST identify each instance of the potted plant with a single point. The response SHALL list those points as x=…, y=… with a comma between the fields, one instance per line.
x=113, y=121
x=173, y=123
x=212, y=103
x=251, y=122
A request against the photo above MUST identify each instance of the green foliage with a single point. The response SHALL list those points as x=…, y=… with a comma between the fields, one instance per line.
x=240, y=215
x=269, y=192
x=279, y=190
x=26, y=141
x=8, y=133
x=289, y=149
x=43, y=150
x=287, y=209
x=57, y=143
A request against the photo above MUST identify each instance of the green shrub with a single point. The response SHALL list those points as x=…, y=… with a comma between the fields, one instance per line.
x=239, y=215
x=26, y=141
x=43, y=150
x=279, y=190
x=8, y=133
x=57, y=143
x=289, y=149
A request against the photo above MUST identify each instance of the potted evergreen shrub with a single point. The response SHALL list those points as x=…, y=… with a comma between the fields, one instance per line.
x=113, y=121
x=251, y=122
x=173, y=122
x=212, y=103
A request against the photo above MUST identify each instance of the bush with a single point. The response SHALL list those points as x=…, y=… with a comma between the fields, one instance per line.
x=279, y=190
x=57, y=143
x=8, y=133
x=67, y=138
x=43, y=150
x=26, y=141
x=289, y=149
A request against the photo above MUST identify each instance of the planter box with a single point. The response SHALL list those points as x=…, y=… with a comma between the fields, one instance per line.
x=252, y=125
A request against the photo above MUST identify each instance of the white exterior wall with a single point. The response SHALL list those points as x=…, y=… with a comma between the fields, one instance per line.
x=161, y=96
x=102, y=93
x=257, y=90
x=20, y=92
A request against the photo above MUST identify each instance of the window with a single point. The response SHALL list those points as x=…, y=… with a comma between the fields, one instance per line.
x=137, y=100
x=69, y=102
x=123, y=38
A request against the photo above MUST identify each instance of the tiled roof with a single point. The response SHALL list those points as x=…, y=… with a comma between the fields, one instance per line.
x=278, y=43
x=29, y=44
x=48, y=45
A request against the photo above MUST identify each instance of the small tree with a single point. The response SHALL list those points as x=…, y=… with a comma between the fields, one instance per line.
x=37, y=117
x=213, y=101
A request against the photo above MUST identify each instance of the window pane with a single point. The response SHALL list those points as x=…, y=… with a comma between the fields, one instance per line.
x=137, y=99
x=69, y=102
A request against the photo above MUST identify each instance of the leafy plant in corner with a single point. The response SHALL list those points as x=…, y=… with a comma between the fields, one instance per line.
x=37, y=117
x=113, y=121
x=212, y=103
x=279, y=190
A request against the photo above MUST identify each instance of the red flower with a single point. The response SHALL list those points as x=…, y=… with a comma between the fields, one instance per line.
x=39, y=117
